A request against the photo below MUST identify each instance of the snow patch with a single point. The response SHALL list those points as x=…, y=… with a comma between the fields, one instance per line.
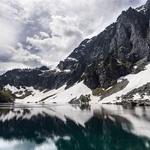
x=72, y=59
x=11, y=88
x=89, y=41
x=75, y=91
x=60, y=96
x=67, y=70
x=135, y=81
x=58, y=70
x=142, y=8
x=136, y=96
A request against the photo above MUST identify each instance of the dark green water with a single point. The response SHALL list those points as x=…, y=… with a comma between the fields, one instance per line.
x=72, y=128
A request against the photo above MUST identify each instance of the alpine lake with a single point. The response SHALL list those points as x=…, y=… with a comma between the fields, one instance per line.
x=71, y=127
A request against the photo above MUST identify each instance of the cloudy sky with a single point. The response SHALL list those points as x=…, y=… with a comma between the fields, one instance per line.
x=43, y=32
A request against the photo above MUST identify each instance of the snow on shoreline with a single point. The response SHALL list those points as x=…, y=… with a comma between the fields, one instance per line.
x=135, y=81
x=60, y=95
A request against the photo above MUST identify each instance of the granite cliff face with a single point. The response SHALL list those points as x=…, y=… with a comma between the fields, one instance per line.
x=114, y=52
x=98, y=61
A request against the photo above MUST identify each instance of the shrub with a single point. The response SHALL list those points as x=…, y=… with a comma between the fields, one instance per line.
x=6, y=96
x=98, y=91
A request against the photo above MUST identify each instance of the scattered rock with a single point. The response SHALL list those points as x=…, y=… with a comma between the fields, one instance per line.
x=82, y=100
x=135, y=103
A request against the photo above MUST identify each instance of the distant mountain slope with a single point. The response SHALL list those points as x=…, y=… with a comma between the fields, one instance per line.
x=122, y=48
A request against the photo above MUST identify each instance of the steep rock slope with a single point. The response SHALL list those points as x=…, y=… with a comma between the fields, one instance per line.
x=113, y=53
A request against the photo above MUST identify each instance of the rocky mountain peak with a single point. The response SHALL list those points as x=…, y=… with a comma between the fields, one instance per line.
x=147, y=4
x=147, y=8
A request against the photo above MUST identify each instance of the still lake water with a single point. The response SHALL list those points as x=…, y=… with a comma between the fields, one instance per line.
x=65, y=127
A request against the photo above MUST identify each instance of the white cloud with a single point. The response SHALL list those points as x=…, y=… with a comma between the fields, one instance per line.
x=50, y=29
x=8, y=25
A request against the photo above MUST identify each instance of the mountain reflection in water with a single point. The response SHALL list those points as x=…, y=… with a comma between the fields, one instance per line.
x=71, y=128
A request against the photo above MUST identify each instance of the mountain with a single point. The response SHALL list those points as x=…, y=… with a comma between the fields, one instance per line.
x=105, y=64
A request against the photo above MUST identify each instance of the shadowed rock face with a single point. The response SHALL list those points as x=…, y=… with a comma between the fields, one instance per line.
x=34, y=77
x=113, y=52
x=147, y=4
x=99, y=61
